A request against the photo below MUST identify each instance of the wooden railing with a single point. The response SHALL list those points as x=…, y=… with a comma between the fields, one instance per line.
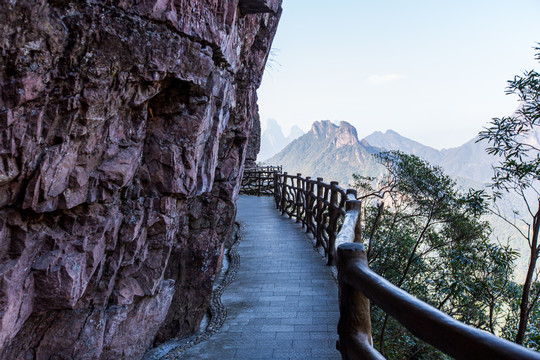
x=332, y=215
x=358, y=285
x=319, y=206
x=259, y=181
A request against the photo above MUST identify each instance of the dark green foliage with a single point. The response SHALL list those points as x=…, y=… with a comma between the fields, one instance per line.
x=428, y=238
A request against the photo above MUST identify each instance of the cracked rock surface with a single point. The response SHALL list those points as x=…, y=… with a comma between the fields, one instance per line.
x=123, y=134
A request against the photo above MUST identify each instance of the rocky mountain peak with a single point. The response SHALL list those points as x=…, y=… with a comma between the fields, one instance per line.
x=346, y=135
x=323, y=129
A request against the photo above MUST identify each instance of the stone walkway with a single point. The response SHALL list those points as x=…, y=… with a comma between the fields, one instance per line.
x=283, y=303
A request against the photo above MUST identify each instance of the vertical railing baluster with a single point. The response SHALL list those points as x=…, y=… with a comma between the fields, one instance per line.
x=259, y=183
x=298, y=196
x=284, y=194
x=309, y=208
x=304, y=184
x=324, y=218
x=276, y=187
x=319, y=217
x=332, y=223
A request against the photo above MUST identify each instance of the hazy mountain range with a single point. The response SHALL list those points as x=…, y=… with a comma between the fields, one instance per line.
x=468, y=161
x=334, y=152
x=273, y=140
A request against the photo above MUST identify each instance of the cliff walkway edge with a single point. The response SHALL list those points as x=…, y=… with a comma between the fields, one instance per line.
x=283, y=303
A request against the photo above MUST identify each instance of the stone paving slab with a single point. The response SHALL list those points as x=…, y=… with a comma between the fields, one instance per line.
x=284, y=301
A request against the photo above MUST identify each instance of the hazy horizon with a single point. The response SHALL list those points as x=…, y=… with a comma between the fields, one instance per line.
x=434, y=72
x=287, y=132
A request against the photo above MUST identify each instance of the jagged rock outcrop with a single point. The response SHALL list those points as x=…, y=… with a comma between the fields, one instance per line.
x=123, y=133
x=254, y=144
x=329, y=151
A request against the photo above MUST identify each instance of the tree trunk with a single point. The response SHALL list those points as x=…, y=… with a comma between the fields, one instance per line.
x=380, y=208
x=413, y=252
x=524, y=306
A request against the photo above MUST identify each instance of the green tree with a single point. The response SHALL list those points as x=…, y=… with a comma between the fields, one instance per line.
x=427, y=237
x=518, y=171
x=531, y=337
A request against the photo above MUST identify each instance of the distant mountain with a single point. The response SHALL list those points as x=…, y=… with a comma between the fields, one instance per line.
x=295, y=133
x=273, y=139
x=468, y=161
x=335, y=153
x=391, y=140
x=329, y=151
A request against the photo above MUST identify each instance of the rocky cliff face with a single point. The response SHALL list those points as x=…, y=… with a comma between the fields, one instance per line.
x=123, y=132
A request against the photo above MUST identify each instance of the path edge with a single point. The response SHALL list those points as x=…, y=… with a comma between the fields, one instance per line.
x=216, y=309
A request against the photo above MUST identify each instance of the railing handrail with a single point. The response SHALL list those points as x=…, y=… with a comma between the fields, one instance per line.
x=318, y=206
x=427, y=323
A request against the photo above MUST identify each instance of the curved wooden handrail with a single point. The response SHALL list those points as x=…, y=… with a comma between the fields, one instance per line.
x=350, y=231
x=319, y=206
x=427, y=323
x=332, y=215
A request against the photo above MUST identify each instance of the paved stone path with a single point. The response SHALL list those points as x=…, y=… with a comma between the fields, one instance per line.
x=283, y=303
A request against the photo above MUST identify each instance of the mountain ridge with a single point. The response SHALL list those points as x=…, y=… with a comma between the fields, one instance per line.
x=335, y=152
x=273, y=140
x=330, y=151
x=468, y=161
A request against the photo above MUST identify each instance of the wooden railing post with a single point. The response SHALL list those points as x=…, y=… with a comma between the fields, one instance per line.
x=304, y=201
x=298, y=198
x=284, y=193
x=320, y=206
x=276, y=188
x=308, y=206
x=354, y=326
x=259, y=183
x=355, y=205
x=332, y=224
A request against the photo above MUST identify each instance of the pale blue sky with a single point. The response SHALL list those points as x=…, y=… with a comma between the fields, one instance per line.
x=434, y=71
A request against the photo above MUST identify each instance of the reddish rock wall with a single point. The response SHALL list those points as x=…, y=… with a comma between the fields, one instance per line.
x=123, y=133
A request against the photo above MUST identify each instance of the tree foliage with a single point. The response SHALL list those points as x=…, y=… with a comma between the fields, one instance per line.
x=427, y=237
x=513, y=138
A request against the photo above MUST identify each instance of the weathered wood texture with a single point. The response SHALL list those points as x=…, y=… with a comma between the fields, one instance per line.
x=259, y=181
x=319, y=206
x=354, y=327
x=427, y=323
